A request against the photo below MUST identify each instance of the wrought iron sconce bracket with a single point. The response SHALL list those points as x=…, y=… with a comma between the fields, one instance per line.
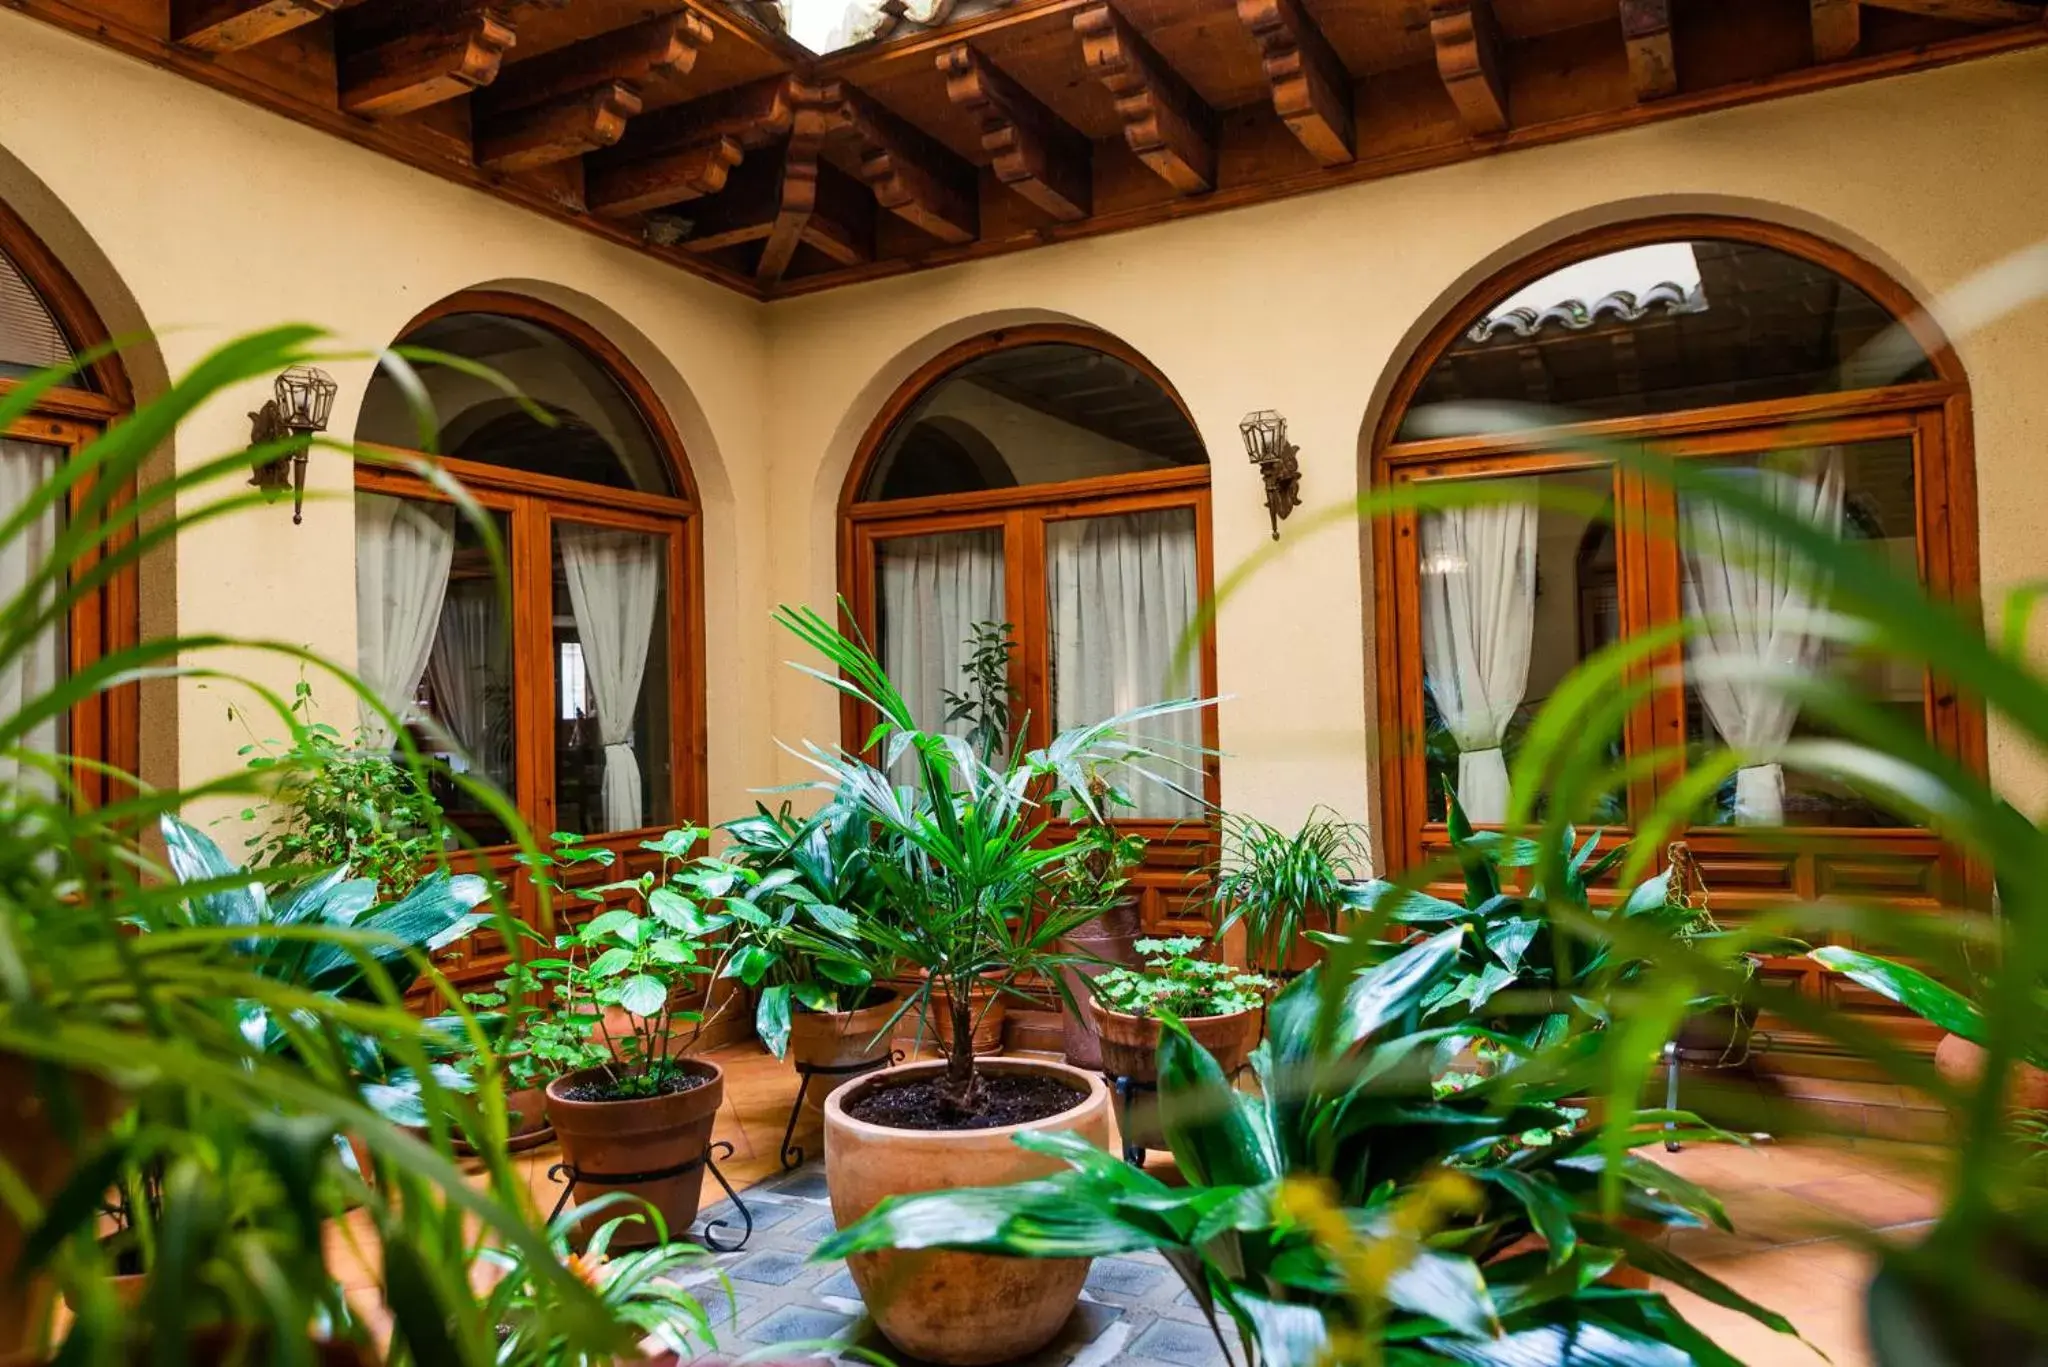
x=1265, y=442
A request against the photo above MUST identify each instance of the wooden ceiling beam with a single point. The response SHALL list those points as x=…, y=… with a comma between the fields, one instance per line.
x=756, y=115
x=743, y=211
x=634, y=187
x=231, y=25
x=1468, y=58
x=1036, y=152
x=912, y=176
x=1990, y=13
x=1311, y=89
x=1165, y=121
x=666, y=45
x=817, y=203
x=568, y=126
x=1837, y=29
x=425, y=66
x=1652, y=64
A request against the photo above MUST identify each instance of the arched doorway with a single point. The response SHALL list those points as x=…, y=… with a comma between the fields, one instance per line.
x=1046, y=477
x=46, y=321
x=585, y=702
x=1781, y=359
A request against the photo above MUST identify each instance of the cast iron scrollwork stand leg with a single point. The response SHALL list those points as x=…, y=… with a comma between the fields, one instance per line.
x=574, y=1176
x=723, y=1149
x=792, y=1155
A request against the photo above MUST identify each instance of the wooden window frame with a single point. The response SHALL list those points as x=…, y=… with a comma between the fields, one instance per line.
x=532, y=505
x=1176, y=849
x=1752, y=867
x=105, y=730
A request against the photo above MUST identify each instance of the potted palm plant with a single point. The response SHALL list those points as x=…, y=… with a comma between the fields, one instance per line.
x=1279, y=886
x=646, y=1109
x=971, y=852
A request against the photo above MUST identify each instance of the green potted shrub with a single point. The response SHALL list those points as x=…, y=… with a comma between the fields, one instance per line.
x=1280, y=887
x=802, y=889
x=1217, y=1004
x=971, y=850
x=527, y=1042
x=621, y=974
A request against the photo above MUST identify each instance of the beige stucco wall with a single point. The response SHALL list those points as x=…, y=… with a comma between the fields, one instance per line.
x=197, y=216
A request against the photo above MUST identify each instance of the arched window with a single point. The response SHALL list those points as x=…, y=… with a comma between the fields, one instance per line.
x=46, y=321
x=1763, y=351
x=1047, y=478
x=584, y=702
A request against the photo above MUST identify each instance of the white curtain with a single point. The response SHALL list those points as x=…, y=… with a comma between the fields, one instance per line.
x=1122, y=591
x=1751, y=597
x=614, y=584
x=467, y=658
x=933, y=590
x=1478, y=626
x=402, y=554
x=24, y=466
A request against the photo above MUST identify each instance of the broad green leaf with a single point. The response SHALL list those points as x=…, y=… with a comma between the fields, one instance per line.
x=771, y=1019
x=612, y=962
x=643, y=995
x=1942, y=1006
x=618, y=921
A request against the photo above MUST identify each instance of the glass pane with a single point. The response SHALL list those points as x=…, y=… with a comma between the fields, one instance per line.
x=932, y=595
x=597, y=434
x=1032, y=415
x=1664, y=327
x=30, y=339
x=1749, y=593
x=1513, y=597
x=614, y=766
x=24, y=467
x=1120, y=594
x=467, y=691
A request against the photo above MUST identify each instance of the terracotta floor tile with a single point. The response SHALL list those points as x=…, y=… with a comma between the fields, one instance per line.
x=1870, y=1200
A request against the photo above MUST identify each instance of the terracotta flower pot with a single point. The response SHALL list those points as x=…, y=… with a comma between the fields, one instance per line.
x=1112, y=944
x=1130, y=1049
x=649, y=1135
x=990, y=1011
x=1961, y=1064
x=43, y=1158
x=840, y=1039
x=956, y=1308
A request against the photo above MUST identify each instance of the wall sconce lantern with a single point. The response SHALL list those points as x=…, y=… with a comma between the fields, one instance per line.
x=303, y=398
x=1265, y=441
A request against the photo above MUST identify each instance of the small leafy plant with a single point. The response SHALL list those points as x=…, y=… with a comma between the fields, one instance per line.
x=985, y=702
x=334, y=803
x=1277, y=884
x=531, y=1043
x=620, y=971
x=1174, y=982
x=640, y=1289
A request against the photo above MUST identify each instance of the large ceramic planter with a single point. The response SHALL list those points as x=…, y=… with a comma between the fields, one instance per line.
x=1130, y=1049
x=839, y=1040
x=990, y=1010
x=653, y=1135
x=956, y=1308
x=42, y=1157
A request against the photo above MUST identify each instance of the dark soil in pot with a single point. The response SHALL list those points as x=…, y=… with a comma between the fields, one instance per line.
x=598, y=1084
x=1007, y=1099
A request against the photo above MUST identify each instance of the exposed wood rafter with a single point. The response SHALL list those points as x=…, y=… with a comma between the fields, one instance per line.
x=1037, y=153
x=1652, y=65
x=564, y=127
x=1165, y=121
x=425, y=66
x=912, y=176
x=658, y=181
x=1837, y=29
x=1987, y=12
x=1468, y=58
x=1311, y=89
x=818, y=205
x=663, y=46
x=231, y=25
x=686, y=152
